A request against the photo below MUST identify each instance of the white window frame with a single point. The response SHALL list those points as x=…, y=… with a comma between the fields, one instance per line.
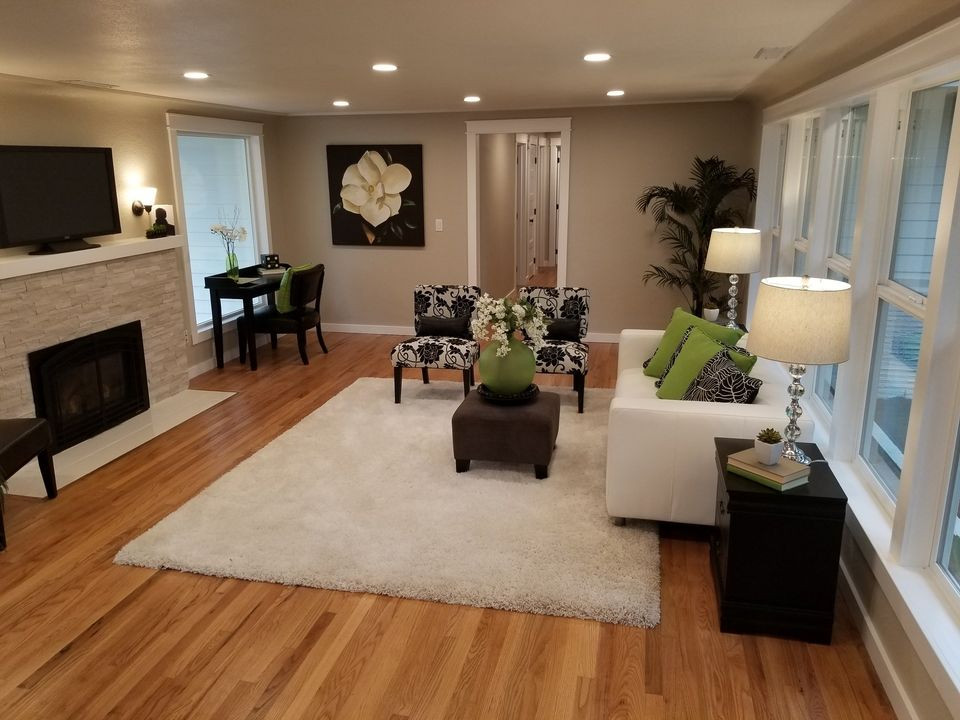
x=905, y=538
x=259, y=205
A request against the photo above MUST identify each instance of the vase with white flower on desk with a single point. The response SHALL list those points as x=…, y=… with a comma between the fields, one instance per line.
x=507, y=363
x=230, y=235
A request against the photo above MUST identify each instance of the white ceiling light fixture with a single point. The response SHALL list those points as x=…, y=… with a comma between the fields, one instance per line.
x=196, y=75
x=472, y=99
x=341, y=103
x=385, y=67
x=615, y=93
x=596, y=57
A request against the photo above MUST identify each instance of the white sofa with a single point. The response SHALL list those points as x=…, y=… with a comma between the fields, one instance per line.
x=661, y=460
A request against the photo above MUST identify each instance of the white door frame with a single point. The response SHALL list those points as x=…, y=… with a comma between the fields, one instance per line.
x=475, y=128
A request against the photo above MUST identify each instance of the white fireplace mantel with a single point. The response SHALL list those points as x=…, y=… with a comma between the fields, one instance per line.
x=16, y=263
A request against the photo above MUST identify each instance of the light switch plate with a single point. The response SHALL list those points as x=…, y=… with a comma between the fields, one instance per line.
x=438, y=224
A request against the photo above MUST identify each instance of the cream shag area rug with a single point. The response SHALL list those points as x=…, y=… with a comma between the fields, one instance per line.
x=362, y=495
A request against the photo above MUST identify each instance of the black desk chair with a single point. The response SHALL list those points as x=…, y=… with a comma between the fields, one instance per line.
x=306, y=287
x=21, y=441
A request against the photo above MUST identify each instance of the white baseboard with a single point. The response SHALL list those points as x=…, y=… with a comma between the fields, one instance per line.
x=370, y=329
x=230, y=352
x=896, y=693
x=602, y=337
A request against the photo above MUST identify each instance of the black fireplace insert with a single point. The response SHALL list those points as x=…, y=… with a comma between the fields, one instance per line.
x=88, y=385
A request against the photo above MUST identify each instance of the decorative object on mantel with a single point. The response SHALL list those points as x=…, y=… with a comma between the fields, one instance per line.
x=230, y=235
x=800, y=321
x=507, y=364
x=376, y=194
x=160, y=228
x=768, y=445
x=686, y=216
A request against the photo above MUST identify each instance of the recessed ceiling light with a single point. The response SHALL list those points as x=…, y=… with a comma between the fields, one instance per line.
x=195, y=75
x=472, y=98
x=341, y=103
x=385, y=67
x=597, y=57
x=614, y=93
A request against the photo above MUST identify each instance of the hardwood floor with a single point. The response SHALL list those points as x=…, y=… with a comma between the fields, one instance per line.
x=81, y=637
x=544, y=277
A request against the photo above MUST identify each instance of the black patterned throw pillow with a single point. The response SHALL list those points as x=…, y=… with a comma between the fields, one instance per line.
x=722, y=381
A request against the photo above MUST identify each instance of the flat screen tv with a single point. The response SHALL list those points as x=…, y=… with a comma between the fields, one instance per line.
x=56, y=196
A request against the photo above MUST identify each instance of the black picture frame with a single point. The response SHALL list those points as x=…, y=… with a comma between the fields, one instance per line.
x=349, y=223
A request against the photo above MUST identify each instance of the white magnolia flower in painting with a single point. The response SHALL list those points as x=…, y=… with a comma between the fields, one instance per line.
x=371, y=188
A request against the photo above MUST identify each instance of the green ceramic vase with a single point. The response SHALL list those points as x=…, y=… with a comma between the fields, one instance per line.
x=511, y=374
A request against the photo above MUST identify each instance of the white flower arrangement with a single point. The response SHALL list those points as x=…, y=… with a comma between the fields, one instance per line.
x=230, y=234
x=498, y=320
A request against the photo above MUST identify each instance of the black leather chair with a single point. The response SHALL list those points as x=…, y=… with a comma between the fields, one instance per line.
x=306, y=287
x=21, y=441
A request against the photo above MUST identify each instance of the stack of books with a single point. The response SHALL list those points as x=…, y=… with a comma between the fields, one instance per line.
x=270, y=272
x=785, y=475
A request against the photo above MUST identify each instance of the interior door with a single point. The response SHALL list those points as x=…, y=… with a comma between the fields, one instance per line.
x=531, y=197
x=520, y=231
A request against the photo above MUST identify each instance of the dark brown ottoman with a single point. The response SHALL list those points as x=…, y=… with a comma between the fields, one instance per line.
x=506, y=433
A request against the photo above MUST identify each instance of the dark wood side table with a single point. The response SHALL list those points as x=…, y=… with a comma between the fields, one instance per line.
x=775, y=554
x=223, y=288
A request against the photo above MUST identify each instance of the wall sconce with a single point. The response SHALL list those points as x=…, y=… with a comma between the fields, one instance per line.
x=148, y=196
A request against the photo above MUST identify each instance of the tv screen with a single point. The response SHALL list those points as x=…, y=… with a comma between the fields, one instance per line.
x=51, y=194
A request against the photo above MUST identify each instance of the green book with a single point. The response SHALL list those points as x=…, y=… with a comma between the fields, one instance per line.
x=773, y=484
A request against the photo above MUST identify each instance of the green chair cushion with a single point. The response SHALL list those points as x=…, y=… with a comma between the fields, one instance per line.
x=283, y=294
x=672, y=336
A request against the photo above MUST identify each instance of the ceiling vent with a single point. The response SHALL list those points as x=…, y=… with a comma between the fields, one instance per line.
x=771, y=53
x=89, y=84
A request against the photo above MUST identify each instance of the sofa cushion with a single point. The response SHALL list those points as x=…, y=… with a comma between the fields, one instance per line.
x=563, y=329
x=722, y=381
x=696, y=352
x=672, y=336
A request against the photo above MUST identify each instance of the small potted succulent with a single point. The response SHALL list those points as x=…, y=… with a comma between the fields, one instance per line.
x=768, y=446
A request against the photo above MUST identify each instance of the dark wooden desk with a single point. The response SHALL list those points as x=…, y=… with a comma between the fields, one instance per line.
x=221, y=287
x=776, y=554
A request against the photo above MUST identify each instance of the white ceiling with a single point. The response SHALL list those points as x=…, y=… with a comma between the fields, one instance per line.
x=297, y=56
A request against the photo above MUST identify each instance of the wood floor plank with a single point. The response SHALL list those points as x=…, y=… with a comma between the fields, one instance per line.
x=83, y=638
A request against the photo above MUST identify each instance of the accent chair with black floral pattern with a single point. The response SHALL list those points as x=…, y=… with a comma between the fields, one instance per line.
x=566, y=357
x=438, y=351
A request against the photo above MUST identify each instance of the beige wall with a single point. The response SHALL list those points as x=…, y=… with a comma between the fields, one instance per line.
x=46, y=113
x=614, y=153
x=496, y=213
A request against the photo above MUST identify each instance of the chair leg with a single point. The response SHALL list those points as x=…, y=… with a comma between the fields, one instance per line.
x=273, y=340
x=397, y=383
x=473, y=377
x=426, y=376
x=3, y=534
x=323, y=345
x=302, y=345
x=579, y=383
x=45, y=461
x=242, y=340
x=466, y=383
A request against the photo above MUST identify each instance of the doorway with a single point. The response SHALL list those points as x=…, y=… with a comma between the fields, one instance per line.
x=540, y=196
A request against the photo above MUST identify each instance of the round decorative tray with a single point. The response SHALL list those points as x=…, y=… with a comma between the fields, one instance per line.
x=524, y=396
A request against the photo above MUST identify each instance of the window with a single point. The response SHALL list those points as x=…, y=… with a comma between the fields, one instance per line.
x=808, y=184
x=219, y=174
x=950, y=549
x=893, y=374
x=852, y=134
x=799, y=262
x=924, y=165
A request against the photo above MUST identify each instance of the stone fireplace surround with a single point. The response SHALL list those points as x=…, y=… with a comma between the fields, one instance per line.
x=49, y=307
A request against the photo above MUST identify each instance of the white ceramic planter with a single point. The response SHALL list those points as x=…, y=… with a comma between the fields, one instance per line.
x=767, y=454
x=711, y=314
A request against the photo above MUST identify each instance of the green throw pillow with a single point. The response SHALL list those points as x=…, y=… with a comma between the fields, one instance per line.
x=672, y=336
x=283, y=294
x=697, y=351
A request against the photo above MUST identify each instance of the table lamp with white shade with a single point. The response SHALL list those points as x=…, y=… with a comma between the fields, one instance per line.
x=800, y=321
x=733, y=251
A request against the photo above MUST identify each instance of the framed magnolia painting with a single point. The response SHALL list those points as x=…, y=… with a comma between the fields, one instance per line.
x=376, y=194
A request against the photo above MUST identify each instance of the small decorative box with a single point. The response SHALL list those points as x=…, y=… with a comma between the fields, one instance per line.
x=270, y=261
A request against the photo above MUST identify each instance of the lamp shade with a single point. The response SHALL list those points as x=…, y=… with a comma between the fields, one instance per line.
x=801, y=320
x=734, y=251
x=148, y=195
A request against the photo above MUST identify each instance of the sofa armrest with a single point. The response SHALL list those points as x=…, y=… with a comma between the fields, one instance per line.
x=635, y=347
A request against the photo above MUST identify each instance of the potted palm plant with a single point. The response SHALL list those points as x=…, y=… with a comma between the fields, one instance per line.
x=719, y=196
